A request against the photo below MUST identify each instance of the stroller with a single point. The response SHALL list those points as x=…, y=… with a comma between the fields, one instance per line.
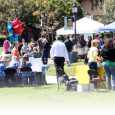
x=71, y=84
x=10, y=80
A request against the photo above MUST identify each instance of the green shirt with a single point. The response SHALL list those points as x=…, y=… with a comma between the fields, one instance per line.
x=69, y=44
x=109, y=63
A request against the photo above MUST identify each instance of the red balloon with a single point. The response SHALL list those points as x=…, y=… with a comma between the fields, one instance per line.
x=16, y=26
x=17, y=21
x=17, y=29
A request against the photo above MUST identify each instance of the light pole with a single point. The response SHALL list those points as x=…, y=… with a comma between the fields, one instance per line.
x=75, y=10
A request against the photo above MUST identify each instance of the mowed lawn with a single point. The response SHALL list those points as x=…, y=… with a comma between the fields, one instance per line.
x=46, y=99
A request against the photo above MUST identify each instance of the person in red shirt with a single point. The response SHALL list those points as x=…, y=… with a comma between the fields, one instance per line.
x=15, y=52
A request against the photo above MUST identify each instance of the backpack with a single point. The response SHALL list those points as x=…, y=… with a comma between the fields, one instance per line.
x=71, y=85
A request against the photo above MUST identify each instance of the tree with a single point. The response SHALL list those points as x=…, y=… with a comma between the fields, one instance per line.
x=10, y=9
x=51, y=13
x=107, y=10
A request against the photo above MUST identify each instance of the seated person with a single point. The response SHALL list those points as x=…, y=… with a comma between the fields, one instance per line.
x=26, y=63
x=2, y=67
x=34, y=53
x=15, y=64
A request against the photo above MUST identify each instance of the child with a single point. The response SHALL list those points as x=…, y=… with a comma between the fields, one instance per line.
x=26, y=63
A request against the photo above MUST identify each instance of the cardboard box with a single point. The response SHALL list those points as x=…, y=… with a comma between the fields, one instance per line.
x=85, y=88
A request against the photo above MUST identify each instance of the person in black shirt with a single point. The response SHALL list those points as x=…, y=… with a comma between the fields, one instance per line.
x=108, y=54
x=45, y=51
x=89, y=42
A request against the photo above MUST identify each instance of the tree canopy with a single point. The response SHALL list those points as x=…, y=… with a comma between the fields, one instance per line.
x=51, y=12
x=107, y=10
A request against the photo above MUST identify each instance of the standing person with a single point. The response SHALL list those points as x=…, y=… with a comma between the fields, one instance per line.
x=82, y=42
x=32, y=44
x=45, y=51
x=14, y=51
x=40, y=40
x=108, y=54
x=97, y=37
x=24, y=47
x=89, y=41
x=59, y=53
x=92, y=55
x=69, y=45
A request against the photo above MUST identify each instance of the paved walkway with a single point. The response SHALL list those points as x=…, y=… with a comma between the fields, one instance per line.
x=53, y=79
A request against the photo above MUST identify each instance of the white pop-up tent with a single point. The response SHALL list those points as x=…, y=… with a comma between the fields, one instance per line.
x=83, y=26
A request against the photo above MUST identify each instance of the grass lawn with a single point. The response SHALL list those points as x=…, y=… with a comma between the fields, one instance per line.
x=48, y=100
x=1, y=49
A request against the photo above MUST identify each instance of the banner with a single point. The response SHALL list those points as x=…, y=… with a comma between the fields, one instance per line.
x=68, y=23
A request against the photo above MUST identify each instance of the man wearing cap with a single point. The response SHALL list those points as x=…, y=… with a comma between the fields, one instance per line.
x=97, y=37
x=59, y=53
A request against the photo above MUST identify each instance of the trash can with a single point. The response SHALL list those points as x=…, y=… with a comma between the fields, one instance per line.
x=74, y=57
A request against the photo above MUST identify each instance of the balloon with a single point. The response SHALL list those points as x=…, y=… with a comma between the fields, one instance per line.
x=18, y=29
x=9, y=27
x=13, y=37
x=17, y=21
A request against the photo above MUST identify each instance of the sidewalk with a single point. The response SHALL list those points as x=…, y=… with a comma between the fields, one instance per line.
x=53, y=79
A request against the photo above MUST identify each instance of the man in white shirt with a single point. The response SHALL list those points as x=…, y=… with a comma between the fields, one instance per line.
x=59, y=53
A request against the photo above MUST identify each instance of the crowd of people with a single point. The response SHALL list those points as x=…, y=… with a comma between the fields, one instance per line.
x=100, y=52
x=103, y=53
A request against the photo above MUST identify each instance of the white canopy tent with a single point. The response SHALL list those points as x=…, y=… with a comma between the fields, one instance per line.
x=83, y=26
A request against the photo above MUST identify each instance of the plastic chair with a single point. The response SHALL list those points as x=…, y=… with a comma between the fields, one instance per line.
x=96, y=80
x=27, y=74
x=9, y=76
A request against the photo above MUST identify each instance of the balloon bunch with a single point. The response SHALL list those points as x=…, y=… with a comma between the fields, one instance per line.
x=15, y=29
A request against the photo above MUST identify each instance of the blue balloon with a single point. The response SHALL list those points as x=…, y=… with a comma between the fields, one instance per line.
x=13, y=37
x=9, y=27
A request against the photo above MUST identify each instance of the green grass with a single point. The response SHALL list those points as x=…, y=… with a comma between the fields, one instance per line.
x=68, y=70
x=1, y=49
x=48, y=99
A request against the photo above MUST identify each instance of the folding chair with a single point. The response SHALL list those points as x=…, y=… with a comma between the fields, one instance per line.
x=96, y=80
x=27, y=74
x=63, y=77
x=9, y=76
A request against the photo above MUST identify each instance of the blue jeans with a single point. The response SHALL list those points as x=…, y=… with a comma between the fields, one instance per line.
x=92, y=65
x=69, y=56
x=110, y=70
x=45, y=56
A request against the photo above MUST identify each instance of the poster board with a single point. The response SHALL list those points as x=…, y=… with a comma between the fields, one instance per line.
x=36, y=64
x=68, y=23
